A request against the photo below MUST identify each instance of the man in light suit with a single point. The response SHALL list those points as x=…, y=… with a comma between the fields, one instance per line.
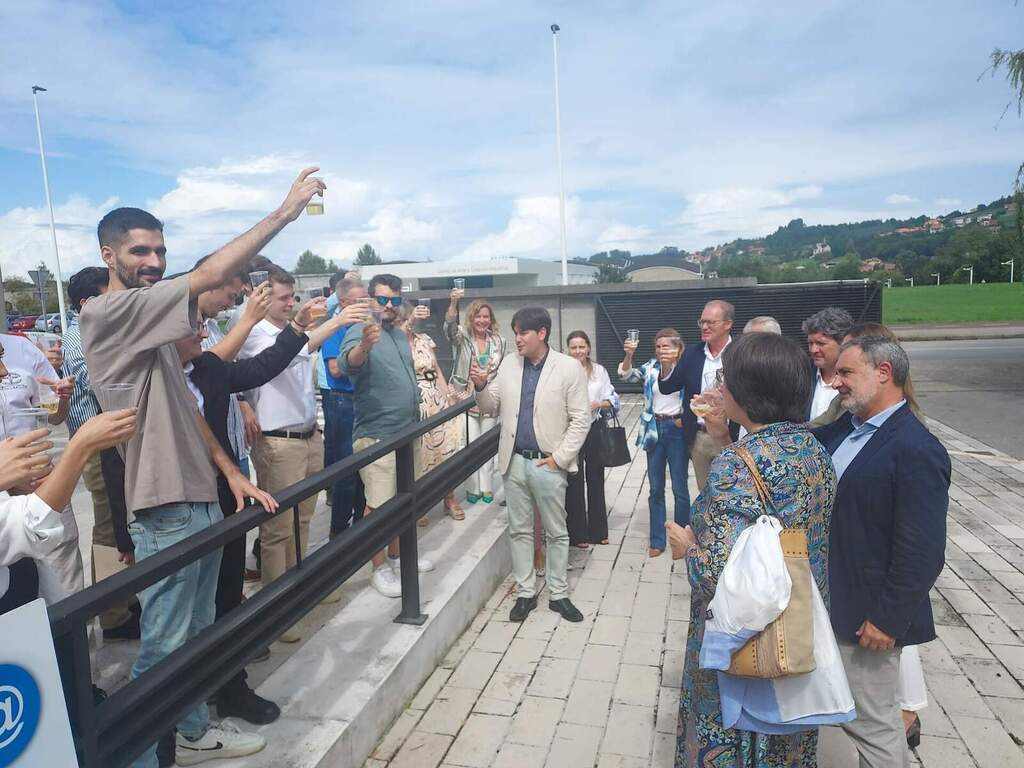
x=541, y=398
x=887, y=539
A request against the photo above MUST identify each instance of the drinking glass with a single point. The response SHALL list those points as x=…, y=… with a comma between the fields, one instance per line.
x=258, y=277
x=315, y=206
x=119, y=396
x=371, y=305
x=18, y=421
x=633, y=334
x=423, y=303
x=459, y=283
x=48, y=399
x=317, y=311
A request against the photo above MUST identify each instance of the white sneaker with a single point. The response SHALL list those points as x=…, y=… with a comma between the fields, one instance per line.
x=386, y=582
x=219, y=741
x=423, y=566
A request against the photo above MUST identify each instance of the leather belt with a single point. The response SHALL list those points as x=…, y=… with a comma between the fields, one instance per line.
x=338, y=392
x=667, y=416
x=532, y=455
x=291, y=435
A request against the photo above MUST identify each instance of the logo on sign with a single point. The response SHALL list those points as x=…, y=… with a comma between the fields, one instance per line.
x=19, y=712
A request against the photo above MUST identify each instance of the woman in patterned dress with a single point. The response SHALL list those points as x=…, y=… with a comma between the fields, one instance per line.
x=765, y=386
x=442, y=442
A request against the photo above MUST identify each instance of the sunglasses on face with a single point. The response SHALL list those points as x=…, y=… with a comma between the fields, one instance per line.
x=396, y=301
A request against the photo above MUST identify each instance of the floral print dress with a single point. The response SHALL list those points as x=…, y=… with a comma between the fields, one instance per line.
x=798, y=472
x=443, y=441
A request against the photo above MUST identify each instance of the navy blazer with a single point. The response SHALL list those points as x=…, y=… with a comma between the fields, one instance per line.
x=888, y=533
x=687, y=376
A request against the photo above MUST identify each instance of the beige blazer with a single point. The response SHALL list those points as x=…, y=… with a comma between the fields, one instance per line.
x=561, y=408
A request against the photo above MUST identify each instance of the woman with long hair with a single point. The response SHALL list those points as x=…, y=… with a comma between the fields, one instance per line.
x=478, y=339
x=661, y=431
x=587, y=513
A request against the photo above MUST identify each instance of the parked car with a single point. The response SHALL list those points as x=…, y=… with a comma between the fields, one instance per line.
x=24, y=323
x=48, y=323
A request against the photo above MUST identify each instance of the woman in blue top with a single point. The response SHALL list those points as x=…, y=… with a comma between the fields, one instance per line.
x=661, y=431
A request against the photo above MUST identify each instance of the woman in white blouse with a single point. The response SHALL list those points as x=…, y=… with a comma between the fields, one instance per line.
x=587, y=514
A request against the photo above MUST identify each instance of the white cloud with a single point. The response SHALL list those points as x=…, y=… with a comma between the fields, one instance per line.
x=533, y=230
x=898, y=198
x=25, y=236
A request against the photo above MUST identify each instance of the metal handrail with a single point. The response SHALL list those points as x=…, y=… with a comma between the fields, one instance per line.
x=114, y=732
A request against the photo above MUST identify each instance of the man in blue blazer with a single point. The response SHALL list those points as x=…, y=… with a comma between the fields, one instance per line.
x=887, y=539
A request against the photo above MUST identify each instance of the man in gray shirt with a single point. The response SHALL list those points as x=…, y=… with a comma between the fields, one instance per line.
x=170, y=486
x=377, y=358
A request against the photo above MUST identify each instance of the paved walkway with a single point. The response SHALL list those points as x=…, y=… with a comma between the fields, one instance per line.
x=605, y=692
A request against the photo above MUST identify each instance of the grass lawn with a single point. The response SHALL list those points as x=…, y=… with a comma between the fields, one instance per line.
x=953, y=304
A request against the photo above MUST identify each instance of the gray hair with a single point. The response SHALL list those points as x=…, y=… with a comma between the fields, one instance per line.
x=764, y=324
x=834, y=322
x=345, y=285
x=728, y=310
x=878, y=350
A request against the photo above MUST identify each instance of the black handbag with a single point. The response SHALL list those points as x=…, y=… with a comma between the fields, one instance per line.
x=611, y=440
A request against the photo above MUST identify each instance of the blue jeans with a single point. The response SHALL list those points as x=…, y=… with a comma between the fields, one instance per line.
x=178, y=607
x=347, y=499
x=670, y=449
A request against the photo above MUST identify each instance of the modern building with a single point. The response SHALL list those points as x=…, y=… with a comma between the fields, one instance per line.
x=490, y=273
x=658, y=268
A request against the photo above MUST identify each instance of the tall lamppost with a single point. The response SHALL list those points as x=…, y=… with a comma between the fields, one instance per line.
x=909, y=280
x=558, y=150
x=1010, y=264
x=938, y=277
x=49, y=204
x=969, y=268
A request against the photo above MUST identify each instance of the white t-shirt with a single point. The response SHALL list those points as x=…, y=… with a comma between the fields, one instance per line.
x=712, y=365
x=28, y=528
x=287, y=401
x=25, y=363
x=824, y=394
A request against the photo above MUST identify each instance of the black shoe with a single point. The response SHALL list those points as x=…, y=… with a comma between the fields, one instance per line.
x=130, y=630
x=914, y=733
x=569, y=611
x=522, y=608
x=246, y=704
x=261, y=656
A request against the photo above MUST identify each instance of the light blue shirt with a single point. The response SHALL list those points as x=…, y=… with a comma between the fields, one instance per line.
x=856, y=440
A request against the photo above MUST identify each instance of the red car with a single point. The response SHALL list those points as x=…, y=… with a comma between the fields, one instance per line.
x=24, y=323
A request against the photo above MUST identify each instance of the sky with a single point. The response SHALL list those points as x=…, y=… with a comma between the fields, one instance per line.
x=685, y=124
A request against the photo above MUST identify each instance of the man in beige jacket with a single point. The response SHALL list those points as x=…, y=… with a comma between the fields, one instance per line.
x=541, y=399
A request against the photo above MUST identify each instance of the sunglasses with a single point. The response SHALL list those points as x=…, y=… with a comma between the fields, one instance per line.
x=396, y=301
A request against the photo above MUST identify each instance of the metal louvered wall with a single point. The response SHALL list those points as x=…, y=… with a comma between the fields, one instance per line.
x=790, y=304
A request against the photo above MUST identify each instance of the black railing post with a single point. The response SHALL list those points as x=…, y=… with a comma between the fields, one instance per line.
x=298, y=541
x=408, y=545
x=83, y=710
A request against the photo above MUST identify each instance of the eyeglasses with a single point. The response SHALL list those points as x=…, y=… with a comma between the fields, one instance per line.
x=702, y=323
x=395, y=301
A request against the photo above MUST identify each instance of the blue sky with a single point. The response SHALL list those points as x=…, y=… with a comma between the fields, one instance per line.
x=684, y=123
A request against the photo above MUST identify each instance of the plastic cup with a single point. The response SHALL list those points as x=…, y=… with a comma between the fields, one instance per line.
x=459, y=283
x=119, y=396
x=315, y=206
x=18, y=421
x=633, y=334
x=258, y=277
x=368, y=301
x=423, y=303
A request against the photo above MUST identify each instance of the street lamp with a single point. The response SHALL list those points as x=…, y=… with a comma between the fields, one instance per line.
x=938, y=278
x=1010, y=264
x=888, y=282
x=909, y=280
x=40, y=277
x=970, y=269
x=558, y=151
x=49, y=204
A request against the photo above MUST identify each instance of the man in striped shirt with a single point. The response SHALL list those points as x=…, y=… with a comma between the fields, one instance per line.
x=120, y=622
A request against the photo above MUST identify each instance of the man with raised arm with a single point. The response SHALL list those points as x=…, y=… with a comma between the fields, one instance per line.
x=128, y=337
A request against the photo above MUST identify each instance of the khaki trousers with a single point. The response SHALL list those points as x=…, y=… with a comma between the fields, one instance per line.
x=701, y=454
x=877, y=732
x=528, y=486
x=103, y=535
x=280, y=462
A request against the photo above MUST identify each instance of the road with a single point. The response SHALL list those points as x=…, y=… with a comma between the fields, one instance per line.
x=976, y=387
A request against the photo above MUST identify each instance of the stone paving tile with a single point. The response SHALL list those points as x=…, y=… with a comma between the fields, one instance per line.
x=606, y=691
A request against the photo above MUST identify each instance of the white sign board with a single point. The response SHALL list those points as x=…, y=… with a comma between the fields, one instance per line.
x=34, y=727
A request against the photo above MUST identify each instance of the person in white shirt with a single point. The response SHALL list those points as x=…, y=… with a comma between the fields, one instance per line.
x=290, y=446
x=825, y=330
x=587, y=512
x=661, y=432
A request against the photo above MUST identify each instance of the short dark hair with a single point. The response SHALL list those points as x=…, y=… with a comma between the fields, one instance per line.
x=87, y=283
x=115, y=225
x=532, y=319
x=769, y=377
x=277, y=274
x=392, y=282
x=834, y=322
x=882, y=349
x=241, y=275
x=259, y=263
x=336, y=278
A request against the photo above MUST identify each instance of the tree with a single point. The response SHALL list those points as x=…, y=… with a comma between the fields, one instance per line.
x=311, y=264
x=367, y=256
x=609, y=273
x=848, y=267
